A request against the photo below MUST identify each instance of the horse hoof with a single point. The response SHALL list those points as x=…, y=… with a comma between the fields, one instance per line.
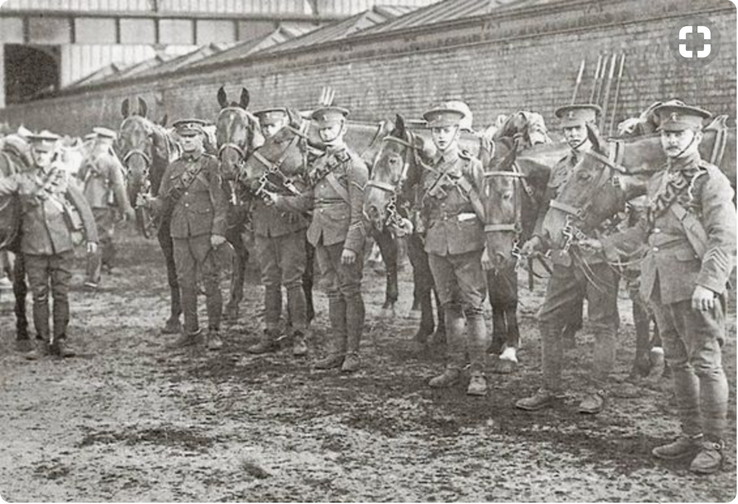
x=437, y=338
x=505, y=366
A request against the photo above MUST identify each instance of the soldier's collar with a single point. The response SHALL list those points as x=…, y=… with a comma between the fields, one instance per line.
x=449, y=155
x=687, y=162
x=192, y=156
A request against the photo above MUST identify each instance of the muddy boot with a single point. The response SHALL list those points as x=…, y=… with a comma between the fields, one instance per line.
x=681, y=447
x=337, y=343
x=351, y=363
x=267, y=343
x=543, y=398
x=592, y=403
x=39, y=350
x=62, y=348
x=187, y=340
x=299, y=347
x=710, y=457
x=354, y=328
x=477, y=384
x=450, y=377
x=214, y=341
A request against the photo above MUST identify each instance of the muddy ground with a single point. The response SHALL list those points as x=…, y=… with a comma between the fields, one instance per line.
x=130, y=420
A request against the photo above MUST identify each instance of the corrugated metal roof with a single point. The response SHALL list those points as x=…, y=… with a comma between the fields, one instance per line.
x=244, y=49
x=111, y=70
x=449, y=10
x=341, y=29
x=184, y=60
x=157, y=60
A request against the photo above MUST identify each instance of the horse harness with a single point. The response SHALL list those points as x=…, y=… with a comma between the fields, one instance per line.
x=275, y=168
x=515, y=227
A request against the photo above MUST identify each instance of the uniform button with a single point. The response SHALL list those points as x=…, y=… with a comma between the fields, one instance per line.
x=656, y=230
x=655, y=249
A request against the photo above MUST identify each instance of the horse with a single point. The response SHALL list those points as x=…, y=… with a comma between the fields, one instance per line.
x=601, y=184
x=146, y=149
x=14, y=158
x=236, y=135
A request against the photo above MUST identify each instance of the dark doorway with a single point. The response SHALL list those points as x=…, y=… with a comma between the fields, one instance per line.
x=31, y=72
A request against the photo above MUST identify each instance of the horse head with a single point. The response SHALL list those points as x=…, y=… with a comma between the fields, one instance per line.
x=526, y=128
x=502, y=198
x=280, y=161
x=592, y=194
x=397, y=155
x=236, y=132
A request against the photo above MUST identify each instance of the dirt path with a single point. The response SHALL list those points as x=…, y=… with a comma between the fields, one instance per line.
x=129, y=420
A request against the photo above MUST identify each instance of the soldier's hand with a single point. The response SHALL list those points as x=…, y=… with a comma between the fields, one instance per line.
x=404, y=227
x=143, y=200
x=270, y=198
x=130, y=214
x=703, y=299
x=91, y=247
x=590, y=244
x=532, y=246
x=348, y=256
x=217, y=240
x=486, y=262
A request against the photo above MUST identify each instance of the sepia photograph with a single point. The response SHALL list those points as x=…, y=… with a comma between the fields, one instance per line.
x=368, y=251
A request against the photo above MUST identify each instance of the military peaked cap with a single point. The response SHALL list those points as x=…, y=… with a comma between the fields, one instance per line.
x=189, y=127
x=104, y=133
x=328, y=116
x=578, y=114
x=677, y=117
x=445, y=114
x=45, y=140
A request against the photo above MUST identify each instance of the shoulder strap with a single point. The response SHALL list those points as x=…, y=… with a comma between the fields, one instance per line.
x=693, y=228
x=468, y=190
x=338, y=187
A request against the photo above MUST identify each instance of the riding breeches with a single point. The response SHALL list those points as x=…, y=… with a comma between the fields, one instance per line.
x=105, y=254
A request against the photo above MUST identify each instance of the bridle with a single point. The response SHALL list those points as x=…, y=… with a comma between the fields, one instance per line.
x=232, y=145
x=411, y=156
x=519, y=179
x=576, y=215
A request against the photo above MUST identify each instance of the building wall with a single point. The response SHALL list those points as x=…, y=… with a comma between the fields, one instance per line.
x=496, y=64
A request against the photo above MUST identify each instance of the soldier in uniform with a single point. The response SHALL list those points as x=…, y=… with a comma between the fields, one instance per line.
x=53, y=211
x=104, y=188
x=336, y=195
x=279, y=240
x=569, y=286
x=453, y=216
x=193, y=200
x=691, y=234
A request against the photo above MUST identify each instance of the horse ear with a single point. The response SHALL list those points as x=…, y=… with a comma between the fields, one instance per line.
x=245, y=98
x=125, y=108
x=163, y=121
x=143, y=109
x=222, y=98
x=400, y=123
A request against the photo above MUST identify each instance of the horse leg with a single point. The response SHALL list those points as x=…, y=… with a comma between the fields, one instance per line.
x=656, y=354
x=388, y=249
x=499, y=327
x=422, y=287
x=235, y=238
x=505, y=298
x=172, y=325
x=307, y=281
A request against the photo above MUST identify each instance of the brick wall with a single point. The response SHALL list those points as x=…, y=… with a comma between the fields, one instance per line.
x=498, y=64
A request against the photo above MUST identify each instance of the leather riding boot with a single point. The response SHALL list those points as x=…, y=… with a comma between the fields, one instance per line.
x=710, y=457
x=543, y=398
x=681, y=447
x=354, y=327
x=267, y=342
x=337, y=343
x=477, y=344
x=593, y=402
x=62, y=348
x=188, y=340
x=450, y=376
x=272, y=305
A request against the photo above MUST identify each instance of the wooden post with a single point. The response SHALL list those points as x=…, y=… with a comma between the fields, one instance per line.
x=596, y=79
x=608, y=86
x=617, y=93
x=579, y=81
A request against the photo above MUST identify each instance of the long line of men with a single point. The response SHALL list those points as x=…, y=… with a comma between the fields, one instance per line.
x=688, y=300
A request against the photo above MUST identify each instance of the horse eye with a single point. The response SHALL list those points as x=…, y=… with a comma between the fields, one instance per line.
x=584, y=176
x=507, y=196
